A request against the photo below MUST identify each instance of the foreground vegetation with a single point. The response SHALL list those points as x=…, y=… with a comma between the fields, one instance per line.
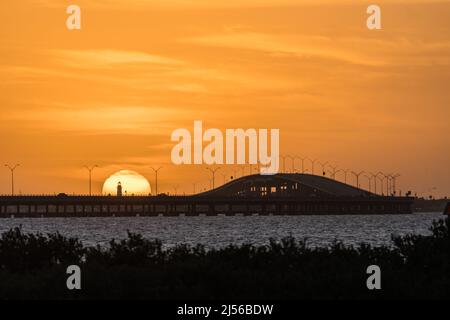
x=34, y=266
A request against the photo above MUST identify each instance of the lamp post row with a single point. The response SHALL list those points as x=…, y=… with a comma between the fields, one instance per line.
x=390, y=178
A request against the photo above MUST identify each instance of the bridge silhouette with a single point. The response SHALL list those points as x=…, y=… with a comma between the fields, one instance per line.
x=281, y=194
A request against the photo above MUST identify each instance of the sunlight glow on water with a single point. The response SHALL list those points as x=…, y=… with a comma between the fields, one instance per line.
x=221, y=230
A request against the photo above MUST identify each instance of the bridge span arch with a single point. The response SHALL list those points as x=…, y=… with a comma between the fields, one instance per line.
x=286, y=185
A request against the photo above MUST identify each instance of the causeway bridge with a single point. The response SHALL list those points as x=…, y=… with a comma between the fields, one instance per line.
x=281, y=194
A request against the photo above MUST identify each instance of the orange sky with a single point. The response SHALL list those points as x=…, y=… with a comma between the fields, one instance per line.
x=112, y=93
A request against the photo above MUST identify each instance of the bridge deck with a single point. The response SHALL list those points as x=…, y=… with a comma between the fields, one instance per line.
x=85, y=206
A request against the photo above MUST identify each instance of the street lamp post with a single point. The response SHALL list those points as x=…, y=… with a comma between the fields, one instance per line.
x=156, y=178
x=292, y=162
x=357, y=174
x=312, y=164
x=323, y=164
x=333, y=173
x=377, y=175
x=394, y=179
x=369, y=178
x=374, y=176
x=381, y=178
x=90, y=169
x=345, y=174
x=213, y=172
x=283, y=158
x=388, y=189
x=12, y=168
x=303, y=162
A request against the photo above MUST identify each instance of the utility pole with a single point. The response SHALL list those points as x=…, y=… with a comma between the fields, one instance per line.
x=156, y=178
x=90, y=169
x=12, y=168
x=213, y=172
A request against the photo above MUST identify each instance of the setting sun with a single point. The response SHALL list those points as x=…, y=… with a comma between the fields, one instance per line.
x=132, y=183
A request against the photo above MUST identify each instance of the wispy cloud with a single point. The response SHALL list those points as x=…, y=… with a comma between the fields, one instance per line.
x=108, y=58
x=279, y=45
x=114, y=119
x=359, y=51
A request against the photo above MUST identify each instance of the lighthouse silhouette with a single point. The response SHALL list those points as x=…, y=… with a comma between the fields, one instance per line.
x=119, y=189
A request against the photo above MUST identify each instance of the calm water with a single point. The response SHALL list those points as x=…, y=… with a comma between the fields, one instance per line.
x=221, y=230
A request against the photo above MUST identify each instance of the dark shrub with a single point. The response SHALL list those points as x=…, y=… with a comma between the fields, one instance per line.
x=33, y=266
